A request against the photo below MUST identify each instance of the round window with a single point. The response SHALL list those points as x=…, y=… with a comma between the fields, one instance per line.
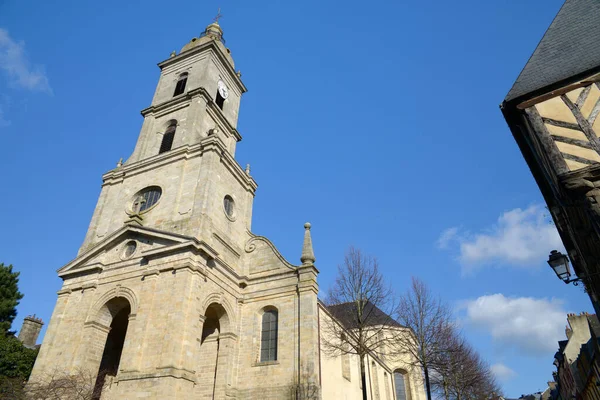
x=228, y=205
x=146, y=199
x=129, y=249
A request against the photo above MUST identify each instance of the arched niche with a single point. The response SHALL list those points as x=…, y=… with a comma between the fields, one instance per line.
x=107, y=341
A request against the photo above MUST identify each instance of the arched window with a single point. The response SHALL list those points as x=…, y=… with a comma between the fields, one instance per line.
x=268, y=337
x=345, y=357
x=374, y=380
x=168, y=136
x=401, y=383
x=180, y=87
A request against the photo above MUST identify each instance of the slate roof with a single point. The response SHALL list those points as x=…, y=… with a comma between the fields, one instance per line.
x=570, y=46
x=346, y=314
x=594, y=324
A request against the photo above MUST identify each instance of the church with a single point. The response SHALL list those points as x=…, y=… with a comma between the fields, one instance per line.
x=171, y=295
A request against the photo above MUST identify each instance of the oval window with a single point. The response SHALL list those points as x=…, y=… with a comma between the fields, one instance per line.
x=228, y=205
x=146, y=199
x=129, y=249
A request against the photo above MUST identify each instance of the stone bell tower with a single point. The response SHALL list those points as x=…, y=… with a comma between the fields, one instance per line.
x=171, y=295
x=184, y=154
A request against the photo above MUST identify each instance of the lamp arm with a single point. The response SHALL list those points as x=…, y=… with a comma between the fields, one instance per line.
x=579, y=279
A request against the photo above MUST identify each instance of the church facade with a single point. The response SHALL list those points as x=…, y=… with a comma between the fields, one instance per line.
x=171, y=295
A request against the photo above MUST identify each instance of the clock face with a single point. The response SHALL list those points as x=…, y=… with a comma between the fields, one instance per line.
x=223, y=91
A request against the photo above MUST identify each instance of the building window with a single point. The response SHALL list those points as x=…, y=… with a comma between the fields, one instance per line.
x=401, y=383
x=146, y=199
x=180, y=87
x=168, y=136
x=345, y=357
x=228, y=206
x=268, y=337
x=130, y=248
x=220, y=100
x=375, y=380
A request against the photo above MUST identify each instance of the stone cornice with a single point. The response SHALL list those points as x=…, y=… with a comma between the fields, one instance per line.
x=91, y=269
x=184, y=100
x=168, y=371
x=198, y=245
x=96, y=325
x=208, y=45
x=116, y=235
x=117, y=175
x=214, y=143
x=217, y=114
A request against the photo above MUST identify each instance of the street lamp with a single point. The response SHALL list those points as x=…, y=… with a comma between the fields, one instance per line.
x=560, y=264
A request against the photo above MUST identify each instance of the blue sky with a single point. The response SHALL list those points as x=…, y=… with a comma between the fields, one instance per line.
x=377, y=122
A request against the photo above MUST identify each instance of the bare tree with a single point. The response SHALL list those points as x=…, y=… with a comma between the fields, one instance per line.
x=58, y=385
x=456, y=370
x=361, y=302
x=430, y=321
x=460, y=373
x=487, y=387
x=305, y=389
x=11, y=388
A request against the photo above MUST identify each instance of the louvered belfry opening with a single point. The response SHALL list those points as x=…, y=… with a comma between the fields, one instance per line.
x=168, y=137
x=220, y=100
x=181, y=82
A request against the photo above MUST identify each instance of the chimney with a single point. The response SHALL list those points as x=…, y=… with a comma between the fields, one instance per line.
x=30, y=331
x=568, y=332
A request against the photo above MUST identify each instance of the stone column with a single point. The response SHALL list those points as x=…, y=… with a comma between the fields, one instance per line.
x=223, y=381
x=44, y=360
x=309, y=326
x=140, y=330
x=207, y=360
x=94, y=339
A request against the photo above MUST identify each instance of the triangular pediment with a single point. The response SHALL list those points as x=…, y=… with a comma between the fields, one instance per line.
x=131, y=243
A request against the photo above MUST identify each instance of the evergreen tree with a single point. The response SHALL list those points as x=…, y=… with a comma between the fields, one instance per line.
x=9, y=297
x=16, y=363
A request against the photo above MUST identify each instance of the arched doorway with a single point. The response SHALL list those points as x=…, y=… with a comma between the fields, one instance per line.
x=212, y=360
x=115, y=313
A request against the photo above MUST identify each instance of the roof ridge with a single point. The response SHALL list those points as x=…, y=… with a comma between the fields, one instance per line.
x=569, y=47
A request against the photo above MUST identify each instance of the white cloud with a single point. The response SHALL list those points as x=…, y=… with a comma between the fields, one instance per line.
x=519, y=237
x=15, y=64
x=503, y=372
x=526, y=324
x=446, y=237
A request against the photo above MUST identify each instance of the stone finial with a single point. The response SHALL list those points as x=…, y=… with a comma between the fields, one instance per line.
x=239, y=73
x=248, y=169
x=173, y=54
x=308, y=256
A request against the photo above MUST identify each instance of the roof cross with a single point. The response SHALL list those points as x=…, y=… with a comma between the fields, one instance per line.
x=219, y=15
